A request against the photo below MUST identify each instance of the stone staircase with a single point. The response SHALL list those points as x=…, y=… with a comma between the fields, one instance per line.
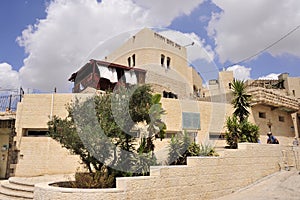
x=21, y=188
x=16, y=189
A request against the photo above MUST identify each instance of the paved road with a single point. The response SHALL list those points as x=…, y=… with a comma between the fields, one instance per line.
x=284, y=185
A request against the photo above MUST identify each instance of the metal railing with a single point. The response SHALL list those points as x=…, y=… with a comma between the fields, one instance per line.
x=9, y=102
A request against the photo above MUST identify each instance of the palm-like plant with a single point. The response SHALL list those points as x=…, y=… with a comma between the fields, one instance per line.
x=241, y=100
x=238, y=128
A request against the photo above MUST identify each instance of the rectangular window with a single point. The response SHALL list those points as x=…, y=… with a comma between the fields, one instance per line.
x=262, y=115
x=162, y=59
x=133, y=60
x=216, y=136
x=36, y=133
x=281, y=118
x=168, y=62
x=129, y=61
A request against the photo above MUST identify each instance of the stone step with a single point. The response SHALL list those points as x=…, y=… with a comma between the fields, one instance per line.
x=13, y=186
x=5, y=197
x=29, y=182
x=15, y=193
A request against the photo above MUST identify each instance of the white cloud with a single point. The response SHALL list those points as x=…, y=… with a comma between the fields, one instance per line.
x=9, y=77
x=271, y=76
x=61, y=43
x=240, y=72
x=244, y=28
x=194, y=52
x=161, y=13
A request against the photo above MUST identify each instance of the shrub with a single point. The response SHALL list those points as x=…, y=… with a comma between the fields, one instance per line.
x=182, y=147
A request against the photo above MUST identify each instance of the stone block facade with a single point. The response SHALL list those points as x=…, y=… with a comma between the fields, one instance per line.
x=201, y=178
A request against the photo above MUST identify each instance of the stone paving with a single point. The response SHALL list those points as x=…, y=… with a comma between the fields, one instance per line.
x=283, y=185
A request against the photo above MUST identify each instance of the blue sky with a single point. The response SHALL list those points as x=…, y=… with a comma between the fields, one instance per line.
x=15, y=16
x=40, y=49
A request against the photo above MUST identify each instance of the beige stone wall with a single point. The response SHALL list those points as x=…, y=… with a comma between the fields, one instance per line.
x=197, y=80
x=34, y=111
x=148, y=47
x=201, y=178
x=212, y=116
x=168, y=80
x=294, y=86
x=140, y=43
x=225, y=77
x=278, y=128
x=42, y=155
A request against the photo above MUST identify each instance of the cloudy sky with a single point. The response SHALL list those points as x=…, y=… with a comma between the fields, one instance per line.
x=43, y=41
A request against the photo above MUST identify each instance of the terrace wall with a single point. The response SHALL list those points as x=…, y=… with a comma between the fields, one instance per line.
x=201, y=178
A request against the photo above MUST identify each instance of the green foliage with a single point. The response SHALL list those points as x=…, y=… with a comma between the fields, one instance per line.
x=241, y=100
x=99, y=179
x=207, y=150
x=249, y=132
x=182, y=147
x=233, y=132
x=115, y=114
x=176, y=152
x=64, y=131
x=144, y=160
x=194, y=149
x=240, y=132
x=238, y=127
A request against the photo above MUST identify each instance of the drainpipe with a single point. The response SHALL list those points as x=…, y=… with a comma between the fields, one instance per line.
x=52, y=104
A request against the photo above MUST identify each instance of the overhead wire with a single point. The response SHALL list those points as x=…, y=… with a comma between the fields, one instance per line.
x=268, y=47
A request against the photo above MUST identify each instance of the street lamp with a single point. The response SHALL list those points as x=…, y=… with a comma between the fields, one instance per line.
x=270, y=125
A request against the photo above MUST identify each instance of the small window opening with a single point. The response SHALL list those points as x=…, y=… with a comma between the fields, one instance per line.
x=262, y=115
x=168, y=62
x=281, y=118
x=37, y=133
x=162, y=59
x=129, y=61
x=229, y=85
x=133, y=60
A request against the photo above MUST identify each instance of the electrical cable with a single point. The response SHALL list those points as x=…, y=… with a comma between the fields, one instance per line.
x=268, y=47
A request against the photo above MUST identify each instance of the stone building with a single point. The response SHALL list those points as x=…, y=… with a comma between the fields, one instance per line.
x=275, y=105
x=158, y=61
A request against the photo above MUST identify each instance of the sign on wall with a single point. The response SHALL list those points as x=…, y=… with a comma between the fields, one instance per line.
x=190, y=121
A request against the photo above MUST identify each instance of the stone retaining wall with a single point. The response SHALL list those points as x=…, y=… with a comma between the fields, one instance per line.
x=201, y=178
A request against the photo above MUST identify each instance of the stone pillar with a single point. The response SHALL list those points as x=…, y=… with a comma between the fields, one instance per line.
x=296, y=124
